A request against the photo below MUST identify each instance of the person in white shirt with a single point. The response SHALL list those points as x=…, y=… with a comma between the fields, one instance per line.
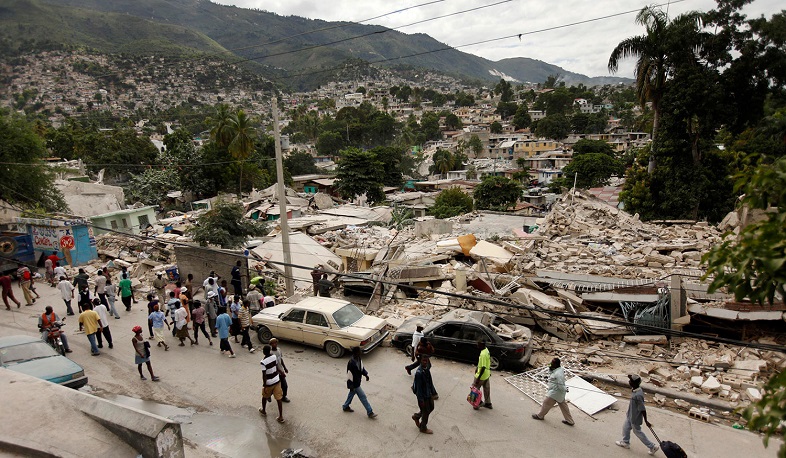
x=181, y=324
x=66, y=292
x=100, y=309
x=416, y=336
x=60, y=271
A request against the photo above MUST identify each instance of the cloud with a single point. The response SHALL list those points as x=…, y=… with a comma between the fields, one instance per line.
x=583, y=48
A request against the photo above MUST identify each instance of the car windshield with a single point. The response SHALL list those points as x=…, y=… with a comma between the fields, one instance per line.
x=26, y=352
x=347, y=315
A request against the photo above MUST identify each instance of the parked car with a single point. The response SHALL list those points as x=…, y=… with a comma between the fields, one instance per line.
x=455, y=336
x=32, y=356
x=333, y=324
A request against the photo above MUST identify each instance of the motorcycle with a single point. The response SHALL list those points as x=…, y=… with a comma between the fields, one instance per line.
x=53, y=337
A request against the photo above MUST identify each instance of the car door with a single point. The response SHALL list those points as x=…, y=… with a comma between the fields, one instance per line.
x=445, y=339
x=315, y=328
x=291, y=327
x=468, y=346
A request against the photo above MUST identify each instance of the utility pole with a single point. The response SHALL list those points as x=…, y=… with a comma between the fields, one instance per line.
x=282, y=203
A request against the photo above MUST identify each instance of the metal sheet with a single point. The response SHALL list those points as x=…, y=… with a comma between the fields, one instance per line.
x=587, y=397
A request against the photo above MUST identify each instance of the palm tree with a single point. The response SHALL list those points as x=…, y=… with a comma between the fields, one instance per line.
x=241, y=142
x=443, y=161
x=221, y=132
x=650, y=72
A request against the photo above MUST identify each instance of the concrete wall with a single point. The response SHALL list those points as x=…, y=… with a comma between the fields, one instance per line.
x=199, y=262
x=45, y=419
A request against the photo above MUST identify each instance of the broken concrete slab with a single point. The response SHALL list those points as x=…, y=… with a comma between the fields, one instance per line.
x=711, y=385
x=649, y=339
x=491, y=252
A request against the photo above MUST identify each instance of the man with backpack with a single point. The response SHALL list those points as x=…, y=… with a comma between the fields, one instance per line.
x=636, y=414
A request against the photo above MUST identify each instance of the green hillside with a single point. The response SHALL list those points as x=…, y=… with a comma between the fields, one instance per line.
x=34, y=24
x=258, y=37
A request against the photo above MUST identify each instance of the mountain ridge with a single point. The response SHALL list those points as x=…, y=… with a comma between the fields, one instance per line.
x=259, y=37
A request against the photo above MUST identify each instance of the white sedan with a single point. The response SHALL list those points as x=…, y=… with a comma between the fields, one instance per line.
x=333, y=324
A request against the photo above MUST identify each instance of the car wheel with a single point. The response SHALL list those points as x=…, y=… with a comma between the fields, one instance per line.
x=409, y=350
x=264, y=335
x=495, y=364
x=333, y=349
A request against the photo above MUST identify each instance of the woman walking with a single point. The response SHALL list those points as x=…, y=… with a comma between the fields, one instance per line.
x=198, y=316
x=142, y=355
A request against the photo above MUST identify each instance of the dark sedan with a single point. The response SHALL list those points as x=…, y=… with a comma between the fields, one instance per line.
x=455, y=336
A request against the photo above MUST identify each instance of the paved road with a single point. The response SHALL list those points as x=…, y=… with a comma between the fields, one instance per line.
x=200, y=379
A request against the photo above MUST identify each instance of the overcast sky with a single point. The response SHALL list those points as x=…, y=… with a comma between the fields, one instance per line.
x=583, y=48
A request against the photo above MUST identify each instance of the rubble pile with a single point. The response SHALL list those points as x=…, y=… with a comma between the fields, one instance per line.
x=583, y=234
x=729, y=374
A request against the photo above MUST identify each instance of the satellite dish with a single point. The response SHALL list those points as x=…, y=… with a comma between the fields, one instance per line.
x=7, y=246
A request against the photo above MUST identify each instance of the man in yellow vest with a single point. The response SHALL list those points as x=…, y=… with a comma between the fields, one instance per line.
x=483, y=374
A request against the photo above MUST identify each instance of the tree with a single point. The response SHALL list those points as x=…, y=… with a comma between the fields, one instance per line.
x=593, y=169
x=391, y=159
x=497, y=193
x=586, y=145
x=753, y=265
x=358, y=173
x=152, y=185
x=225, y=226
x=652, y=50
x=443, y=162
x=300, y=163
x=451, y=202
x=452, y=122
x=329, y=143
x=27, y=181
x=522, y=119
x=555, y=127
x=495, y=128
x=221, y=132
x=241, y=144
x=504, y=90
x=506, y=109
x=475, y=145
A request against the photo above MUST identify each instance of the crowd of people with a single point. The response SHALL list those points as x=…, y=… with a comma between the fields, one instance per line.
x=224, y=315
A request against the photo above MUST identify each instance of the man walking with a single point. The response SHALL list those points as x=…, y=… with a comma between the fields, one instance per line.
x=234, y=310
x=25, y=282
x=159, y=284
x=100, y=289
x=5, y=282
x=92, y=324
x=272, y=383
x=636, y=413
x=355, y=372
x=126, y=292
x=556, y=394
x=483, y=374
x=223, y=323
x=236, y=281
x=211, y=309
x=101, y=310
x=254, y=298
x=423, y=388
x=245, y=322
x=282, y=368
x=198, y=317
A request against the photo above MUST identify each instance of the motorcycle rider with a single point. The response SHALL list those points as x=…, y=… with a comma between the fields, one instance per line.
x=47, y=320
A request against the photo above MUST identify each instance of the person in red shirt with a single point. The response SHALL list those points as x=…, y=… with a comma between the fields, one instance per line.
x=5, y=282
